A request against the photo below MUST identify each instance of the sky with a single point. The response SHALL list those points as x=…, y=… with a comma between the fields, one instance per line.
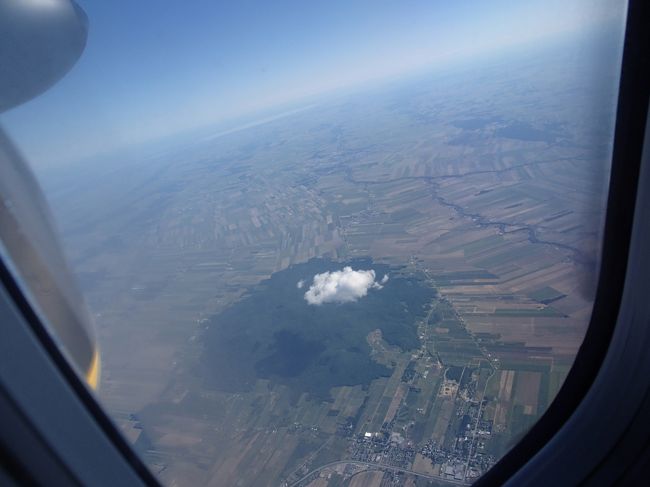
x=154, y=68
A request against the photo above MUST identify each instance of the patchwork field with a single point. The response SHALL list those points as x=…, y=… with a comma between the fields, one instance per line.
x=485, y=218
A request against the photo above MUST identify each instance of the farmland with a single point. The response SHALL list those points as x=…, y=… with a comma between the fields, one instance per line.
x=484, y=207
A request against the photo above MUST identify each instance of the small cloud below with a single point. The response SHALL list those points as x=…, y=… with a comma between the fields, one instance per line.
x=300, y=284
x=342, y=286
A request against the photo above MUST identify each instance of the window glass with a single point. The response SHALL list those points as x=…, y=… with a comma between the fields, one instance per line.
x=333, y=243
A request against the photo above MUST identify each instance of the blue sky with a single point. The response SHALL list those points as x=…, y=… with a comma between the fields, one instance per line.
x=153, y=68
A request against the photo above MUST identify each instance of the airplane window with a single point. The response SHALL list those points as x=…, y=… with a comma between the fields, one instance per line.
x=335, y=243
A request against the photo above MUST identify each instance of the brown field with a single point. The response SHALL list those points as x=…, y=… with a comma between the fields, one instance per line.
x=395, y=403
x=367, y=479
x=423, y=464
x=527, y=390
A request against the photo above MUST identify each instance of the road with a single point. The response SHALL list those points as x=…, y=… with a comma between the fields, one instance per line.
x=376, y=466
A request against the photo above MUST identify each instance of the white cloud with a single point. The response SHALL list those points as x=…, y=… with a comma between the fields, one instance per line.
x=300, y=284
x=384, y=279
x=342, y=286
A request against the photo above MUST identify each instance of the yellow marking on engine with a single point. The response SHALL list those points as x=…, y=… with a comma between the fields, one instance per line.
x=92, y=375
